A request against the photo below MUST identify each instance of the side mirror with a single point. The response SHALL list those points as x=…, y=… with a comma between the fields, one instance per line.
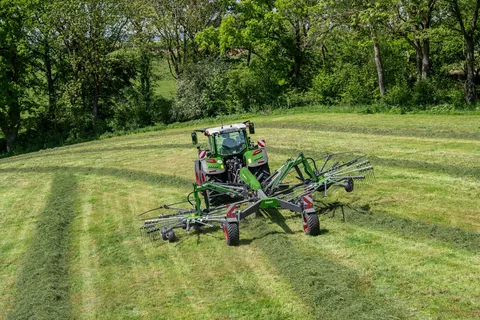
x=251, y=128
x=194, y=138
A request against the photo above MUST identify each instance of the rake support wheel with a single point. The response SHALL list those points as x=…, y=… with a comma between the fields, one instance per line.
x=349, y=185
x=171, y=236
x=164, y=233
x=232, y=233
x=311, y=224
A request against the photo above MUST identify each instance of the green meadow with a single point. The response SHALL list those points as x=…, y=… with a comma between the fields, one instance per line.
x=407, y=246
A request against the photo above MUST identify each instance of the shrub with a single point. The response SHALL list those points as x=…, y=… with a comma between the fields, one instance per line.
x=202, y=91
x=327, y=87
x=423, y=94
x=253, y=88
x=398, y=95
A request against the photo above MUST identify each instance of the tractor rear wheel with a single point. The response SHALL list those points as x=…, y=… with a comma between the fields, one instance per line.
x=311, y=224
x=199, y=176
x=232, y=233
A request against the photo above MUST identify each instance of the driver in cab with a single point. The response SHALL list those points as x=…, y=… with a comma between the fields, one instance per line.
x=228, y=142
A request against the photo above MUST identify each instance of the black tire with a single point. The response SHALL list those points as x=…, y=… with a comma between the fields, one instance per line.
x=164, y=233
x=311, y=224
x=216, y=199
x=171, y=236
x=213, y=197
x=349, y=185
x=232, y=233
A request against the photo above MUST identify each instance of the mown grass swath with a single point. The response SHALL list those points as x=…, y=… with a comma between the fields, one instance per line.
x=43, y=290
x=332, y=290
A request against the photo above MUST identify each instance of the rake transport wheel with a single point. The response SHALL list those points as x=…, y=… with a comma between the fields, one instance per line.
x=232, y=233
x=311, y=224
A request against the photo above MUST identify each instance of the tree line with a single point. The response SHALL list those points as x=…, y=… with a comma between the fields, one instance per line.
x=73, y=69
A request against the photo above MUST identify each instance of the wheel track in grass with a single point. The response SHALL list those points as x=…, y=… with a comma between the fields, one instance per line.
x=122, y=173
x=73, y=147
x=43, y=290
x=130, y=234
x=89, y=264
x=102, y=149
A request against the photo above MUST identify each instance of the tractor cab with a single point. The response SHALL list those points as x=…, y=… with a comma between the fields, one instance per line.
x=229, y=149
x=227, y=142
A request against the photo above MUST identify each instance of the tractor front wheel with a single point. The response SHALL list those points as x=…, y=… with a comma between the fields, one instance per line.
x=311, y=224
x=232, y=233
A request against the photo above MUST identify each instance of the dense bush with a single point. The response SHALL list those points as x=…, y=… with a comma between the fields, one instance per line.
x=254, y=88
x=202, y=91
x=347, y=84
x=214, y=86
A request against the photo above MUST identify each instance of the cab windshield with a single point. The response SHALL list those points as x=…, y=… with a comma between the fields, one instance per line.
x=231, y=143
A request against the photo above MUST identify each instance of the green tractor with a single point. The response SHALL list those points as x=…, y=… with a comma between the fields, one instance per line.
x=229, y=150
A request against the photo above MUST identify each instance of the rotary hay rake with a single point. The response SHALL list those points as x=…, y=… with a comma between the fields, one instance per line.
x=291, y=187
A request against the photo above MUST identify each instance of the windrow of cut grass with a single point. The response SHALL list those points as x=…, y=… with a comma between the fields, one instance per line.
x=332, y=290
x=411, y=250
x=455, y=237
x=43, y=290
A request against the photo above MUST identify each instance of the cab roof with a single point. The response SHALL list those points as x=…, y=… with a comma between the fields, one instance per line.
x=225, y=129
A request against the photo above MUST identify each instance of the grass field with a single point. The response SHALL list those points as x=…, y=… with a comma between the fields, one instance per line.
x=409, y=248
x=165, y=84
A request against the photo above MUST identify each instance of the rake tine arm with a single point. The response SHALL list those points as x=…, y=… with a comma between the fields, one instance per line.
x=327, y=158
x=349, y=170
x=348, y=163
